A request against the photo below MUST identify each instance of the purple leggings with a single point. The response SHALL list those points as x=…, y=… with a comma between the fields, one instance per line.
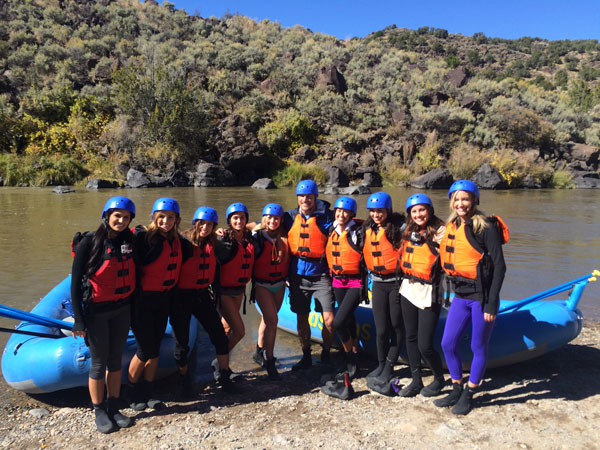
x=461, y=313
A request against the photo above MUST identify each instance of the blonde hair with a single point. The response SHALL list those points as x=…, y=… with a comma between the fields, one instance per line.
x=152, y=229
x=478, y=218
x=279, y=233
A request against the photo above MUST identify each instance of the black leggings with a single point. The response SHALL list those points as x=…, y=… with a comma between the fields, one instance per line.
x=106, y=337
x=420, y=327
x=387, y=314
x=200, y=304
x=149, y=321
x=344, y=322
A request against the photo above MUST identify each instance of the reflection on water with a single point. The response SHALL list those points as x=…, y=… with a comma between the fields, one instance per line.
x=554, y=238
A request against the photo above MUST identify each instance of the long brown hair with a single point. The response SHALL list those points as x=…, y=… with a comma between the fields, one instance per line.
x=193, y=235
x=393, y=226
x=431, y=227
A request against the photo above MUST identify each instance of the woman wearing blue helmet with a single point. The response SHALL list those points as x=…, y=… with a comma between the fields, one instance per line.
x=236, y=270
x=102, y=283
x=419, y=293
x=271, y=268
x=344, y=257
x=158, y=251
x=471, y=256
x=383, y=238
x=193, y=296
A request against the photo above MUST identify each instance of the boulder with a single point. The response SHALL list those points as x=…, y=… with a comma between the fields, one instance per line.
x=457, y=76
x=350, y=190
x=436, y=179
x=529, y=183
x=62, y=190
x=180, y=178
x=488, y=177
x=585, y=154
x=305, y=154
x=240, y=151
x=137, y=179
x=1, y=181
x=336, y=177
x=331, y=79
x=208, y=174
x=264, y=183
x=159, y=180
x=372, y=179
x=101, y=184
x=589, y=180
x=471, y=103
x=433, y=99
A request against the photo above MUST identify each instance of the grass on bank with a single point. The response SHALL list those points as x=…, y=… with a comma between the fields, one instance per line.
x=294, y=171
x=30, y=170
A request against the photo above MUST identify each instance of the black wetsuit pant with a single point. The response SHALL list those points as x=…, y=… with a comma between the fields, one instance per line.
x=150, y=313
x=107, y=330
x=387, y=314
x=200, y=304
x=344, y=322
x=420, y=327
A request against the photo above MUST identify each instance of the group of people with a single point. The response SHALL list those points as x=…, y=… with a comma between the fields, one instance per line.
x=141, y=277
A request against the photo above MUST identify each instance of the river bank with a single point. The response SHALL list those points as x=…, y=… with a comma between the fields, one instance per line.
x=549, y=402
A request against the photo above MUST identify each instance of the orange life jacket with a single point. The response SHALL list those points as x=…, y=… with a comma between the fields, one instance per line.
x=459, y=252
x=198, y=271
x=162, y=274
x=380, y=255
x=418, y=261
x=306, y=239
x=273, y=263
x=237, y=271
x=115, y=279
x=343, y=256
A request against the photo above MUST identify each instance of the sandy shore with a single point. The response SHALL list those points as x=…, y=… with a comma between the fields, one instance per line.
x=550, y=402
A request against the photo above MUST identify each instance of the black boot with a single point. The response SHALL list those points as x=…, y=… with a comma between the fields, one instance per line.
x=226, y=383
x=272, y=370
x=415, y=385
x=259, y=356
x=325, y=356
x=434, y=388
x=377, y=371
x=465, y=402
x=136, y=396
x=112, y=409
x=152, y=401
x=386, y=373
x=351, y=364
x=451, y=398
x=103, y=422
x=305, y=362
x=187, y=387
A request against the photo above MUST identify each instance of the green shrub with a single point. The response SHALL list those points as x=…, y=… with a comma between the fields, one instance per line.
x=429, y=155
x=294, y=171
x=394, y=172
x=288, y=132
x=465, y=160
x=561, y=179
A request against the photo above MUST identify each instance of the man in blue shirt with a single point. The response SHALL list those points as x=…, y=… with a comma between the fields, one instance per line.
x=308, y=227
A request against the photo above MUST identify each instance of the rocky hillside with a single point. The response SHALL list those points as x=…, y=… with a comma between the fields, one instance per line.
x=95, y=88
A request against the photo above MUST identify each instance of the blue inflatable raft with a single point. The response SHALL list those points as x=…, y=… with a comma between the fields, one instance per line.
x=36, y=364
x=523, y=330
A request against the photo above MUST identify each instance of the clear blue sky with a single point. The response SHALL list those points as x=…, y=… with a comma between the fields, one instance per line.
x=509, y=19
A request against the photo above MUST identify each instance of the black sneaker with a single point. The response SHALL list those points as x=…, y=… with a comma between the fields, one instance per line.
x=326, y=356
x=272, y=370
x=103, y=422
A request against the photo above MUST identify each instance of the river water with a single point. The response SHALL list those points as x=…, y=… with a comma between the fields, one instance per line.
x=554, y=239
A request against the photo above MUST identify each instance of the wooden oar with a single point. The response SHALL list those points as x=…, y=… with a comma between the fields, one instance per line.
x=550, y=292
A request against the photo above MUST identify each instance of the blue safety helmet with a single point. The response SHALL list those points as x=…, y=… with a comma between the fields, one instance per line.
x=345, y=203
x=379, y=200
x=418, y=199
x=272, y=209
x=464, y=185
x=205, y=213
x=166, y=204
x=236, y=207
x=306, y=187
x=119, y=203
